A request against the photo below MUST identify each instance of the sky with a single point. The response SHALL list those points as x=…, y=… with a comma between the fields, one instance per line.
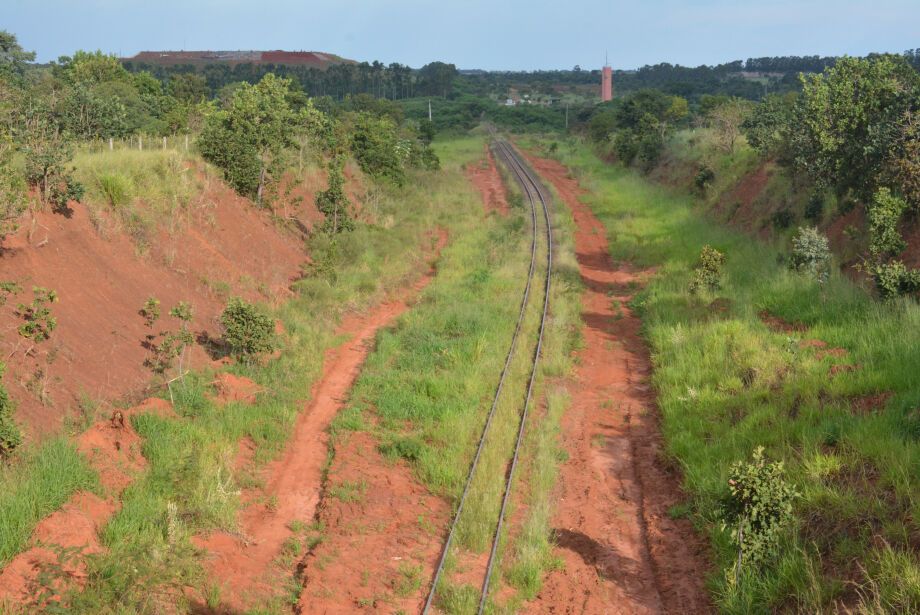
x=486, y=34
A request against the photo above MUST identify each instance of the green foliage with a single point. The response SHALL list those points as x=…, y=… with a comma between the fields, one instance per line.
x=252, y=133
x=782, y=218
x=172, y=344
x=703, y=177
x=884, y=213
x=708, y=272
x=12, y=196
x=13, y=57
x=374, y=145
x=758, y=508
x=768, y=127
x=39, y=323
x=333, y=202
x=844, y=134
x=811, y=254
x=10, y=436
x=894, y=279
x=248, y=331
x=643, y=120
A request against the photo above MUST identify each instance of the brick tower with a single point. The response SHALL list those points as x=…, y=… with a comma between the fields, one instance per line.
x=606, y=84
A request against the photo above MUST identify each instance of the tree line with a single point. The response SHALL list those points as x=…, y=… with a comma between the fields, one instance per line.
x=851, y=131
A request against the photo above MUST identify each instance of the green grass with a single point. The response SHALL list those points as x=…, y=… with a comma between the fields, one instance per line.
x=726, y=385
x=426, y=389
x=190, y=485
x=39, y=482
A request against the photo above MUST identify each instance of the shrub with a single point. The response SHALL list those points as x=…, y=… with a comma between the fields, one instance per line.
x=811, y=255
x=708, y=270
x=758, y=507
x=782, y=219
x=39, y=323
x=814, y=207
x=247, y=330
x=10, y=436
x=704, y=177
x=894, y=279
x=884, y=214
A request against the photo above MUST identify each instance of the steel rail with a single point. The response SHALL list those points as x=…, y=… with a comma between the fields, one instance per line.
x=501, y=383
x=525, y=172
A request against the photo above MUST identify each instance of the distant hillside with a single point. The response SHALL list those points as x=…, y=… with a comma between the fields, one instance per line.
x=199, y=59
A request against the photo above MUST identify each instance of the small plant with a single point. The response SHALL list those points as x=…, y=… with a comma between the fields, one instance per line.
x=7, y=289
x=708, y=271
x=782, y=219
x=39, y=323
x=173, y=344
x=150, y=312
x=10, y=436
x=814, y=207
x=247, y=330
x=811, y=256
x=704, y=177
x=757, y=509
x=115, y=187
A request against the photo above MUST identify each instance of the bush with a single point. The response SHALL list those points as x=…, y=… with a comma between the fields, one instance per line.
x=758, y=507
x=10, y=436
x=814, y=207
x=247, y=330
x=782, y=219
x=894, y=279
x=704, y=177
x=708, y=271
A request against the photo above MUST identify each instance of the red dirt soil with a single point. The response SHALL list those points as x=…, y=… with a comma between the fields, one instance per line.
x=375, y=541
x=488, y=181
x=223, y=244
x=113, y=449
x=244, y=564
x=622, y=552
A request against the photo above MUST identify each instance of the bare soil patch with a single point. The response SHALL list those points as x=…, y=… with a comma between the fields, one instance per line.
x=113, y=449
x=488, y=181
x=622, y=551
x=248, y=565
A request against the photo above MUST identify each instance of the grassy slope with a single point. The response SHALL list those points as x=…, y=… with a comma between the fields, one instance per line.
x=190, y=485
x=726, y=384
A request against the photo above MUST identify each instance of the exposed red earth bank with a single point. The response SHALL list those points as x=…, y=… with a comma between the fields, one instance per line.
x=622, y=552
x=222, y=246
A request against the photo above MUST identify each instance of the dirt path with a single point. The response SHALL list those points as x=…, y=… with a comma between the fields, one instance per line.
x=244, y=564
x=488, y=181
x=622, y=551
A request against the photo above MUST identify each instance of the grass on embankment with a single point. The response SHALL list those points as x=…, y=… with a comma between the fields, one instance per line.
x=727, y=384
x=39, y=481
x=426, y=389
x=190, y=485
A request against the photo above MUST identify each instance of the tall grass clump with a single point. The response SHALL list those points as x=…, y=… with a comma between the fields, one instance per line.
x=38, y=482
x=845, y=424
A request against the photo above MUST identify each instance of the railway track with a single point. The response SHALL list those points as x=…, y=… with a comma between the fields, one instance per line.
x=535, y=194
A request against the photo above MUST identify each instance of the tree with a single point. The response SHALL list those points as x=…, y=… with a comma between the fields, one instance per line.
x=13, y=58
x=12, y=196
x=846, y=127
x=333, y=202
x=245, y=139
x=374, y=145
x=726, y=120
x=768, y=127
x=189, y=88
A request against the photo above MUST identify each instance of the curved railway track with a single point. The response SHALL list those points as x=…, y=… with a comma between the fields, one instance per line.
x=535, y=193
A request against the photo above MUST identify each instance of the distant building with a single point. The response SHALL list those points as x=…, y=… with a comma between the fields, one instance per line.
x=606, y=84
